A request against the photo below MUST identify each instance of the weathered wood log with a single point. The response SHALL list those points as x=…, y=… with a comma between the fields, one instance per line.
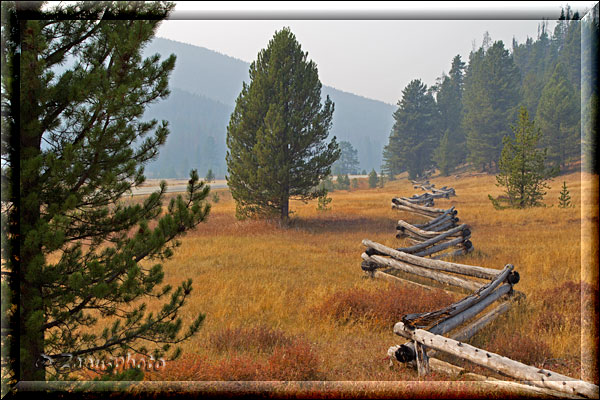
x=458, y=231
x=451, y=211
x=422, y=359
x=400, y=201
x=536, y=376
x=453, y=370
x=442, y=225
x=467, y=332
x=406, y=352
x=442, y=246
x=421, y=320
x=470, y=270
x=404, y=226
x=396, y=279
x=459, y=252
x=415, y=211
x=424, y=272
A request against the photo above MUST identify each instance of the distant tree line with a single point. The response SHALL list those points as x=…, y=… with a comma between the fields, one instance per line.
x=464, y=117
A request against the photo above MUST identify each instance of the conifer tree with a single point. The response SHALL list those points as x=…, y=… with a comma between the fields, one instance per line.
x=79, y=255
x=373, y=179
x=451, y=149
x=348, y=161
x=491, y=94
x=413, y=137
x=558, y=117
x=210, y=176
x=276, y=134
x=523, y=173
x=564, y=200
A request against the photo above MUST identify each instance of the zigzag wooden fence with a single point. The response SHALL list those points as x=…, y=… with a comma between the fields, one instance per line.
x=486, y=286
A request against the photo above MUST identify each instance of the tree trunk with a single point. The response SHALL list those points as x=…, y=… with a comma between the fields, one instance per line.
x=285, y=208
x=31, y=310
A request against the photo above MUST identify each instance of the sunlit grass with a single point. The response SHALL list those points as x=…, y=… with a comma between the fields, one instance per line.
x=258, y=275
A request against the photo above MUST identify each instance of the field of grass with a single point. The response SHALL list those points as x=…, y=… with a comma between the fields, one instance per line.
x=291, y=302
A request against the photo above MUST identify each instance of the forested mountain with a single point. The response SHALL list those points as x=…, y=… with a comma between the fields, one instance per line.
x=204, y=87
x=477, y=108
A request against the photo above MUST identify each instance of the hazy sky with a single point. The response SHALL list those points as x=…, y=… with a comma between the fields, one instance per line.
x=373, y=58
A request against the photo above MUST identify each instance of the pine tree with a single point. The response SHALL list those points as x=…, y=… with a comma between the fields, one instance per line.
x=373, y=179
x=452, y=151
x=78, y=145
x=348, y=161
x=276, y=134
x=564, y=200
x=413, y=137
x=490, y=98
x=558, y=117
x=210, y=176
x=522, y=165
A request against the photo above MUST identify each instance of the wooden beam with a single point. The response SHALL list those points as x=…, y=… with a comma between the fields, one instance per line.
x=463, y=304
x=469, y=270
x=424, y=272
x=536, y=376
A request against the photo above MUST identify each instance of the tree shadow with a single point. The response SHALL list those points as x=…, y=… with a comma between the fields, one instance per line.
x=336, y=223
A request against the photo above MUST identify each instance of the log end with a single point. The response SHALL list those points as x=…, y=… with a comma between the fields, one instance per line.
x=405, y=354
x=513, y=278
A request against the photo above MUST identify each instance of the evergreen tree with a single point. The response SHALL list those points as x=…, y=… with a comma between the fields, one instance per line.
x=558, y=118
x=348, y=161
x=413, y=137
x=276, y=134
x=373, y=179
x=564, y=200
x=354, y=183
x=491, y=93
x=589, y=89
x=210, y=176
x=522, y=165
x=451, y=149
x=78, y=145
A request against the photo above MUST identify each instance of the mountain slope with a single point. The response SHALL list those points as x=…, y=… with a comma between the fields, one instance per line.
x=206, y=79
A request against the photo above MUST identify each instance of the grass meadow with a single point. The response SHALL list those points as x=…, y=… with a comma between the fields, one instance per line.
x=291, y=303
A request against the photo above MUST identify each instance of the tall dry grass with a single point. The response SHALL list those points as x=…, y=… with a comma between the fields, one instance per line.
x=291, y=302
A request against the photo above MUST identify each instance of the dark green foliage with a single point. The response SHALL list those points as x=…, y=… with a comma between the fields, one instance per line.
x=558, y=116
x=354, y=183
x=363, y=172
x=564, y=200
x=413, y=137
x=522, y=165
x=381, y=180
x=326, y=185
x=490, y=99
x=210, y=176
x=373, y=179
x=348, y=161
x=276, y=135
x=82, y=146
x=451, y=149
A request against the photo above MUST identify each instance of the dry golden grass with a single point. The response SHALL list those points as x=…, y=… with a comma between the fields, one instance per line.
x=266, y=289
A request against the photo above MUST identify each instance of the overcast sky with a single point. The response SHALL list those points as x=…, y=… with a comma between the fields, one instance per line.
x=373, y=58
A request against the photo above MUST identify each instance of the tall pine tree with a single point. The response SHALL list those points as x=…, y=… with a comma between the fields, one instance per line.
x=414, y=135
x=277, y=132
x=558, y=117
x=490, y=99
x=452, y=149
x=79, y=255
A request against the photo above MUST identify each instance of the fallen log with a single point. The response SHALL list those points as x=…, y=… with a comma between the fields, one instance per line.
x=459, y=252
x=469, y=270
x=396, y=279
x=415, y=211
x=536, y=376
x=424, y=272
